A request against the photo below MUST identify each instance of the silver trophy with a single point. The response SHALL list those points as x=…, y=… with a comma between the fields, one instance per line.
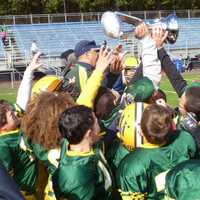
x=112, y=22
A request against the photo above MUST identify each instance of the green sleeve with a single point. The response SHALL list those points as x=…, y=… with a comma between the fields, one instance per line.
x=90, y=90
x=71, y=82
x=25, y=165
x=42, y=155
x=131, y=178
x=26, y=171
x=186, y=138
x=6, y=157
x=193, y=147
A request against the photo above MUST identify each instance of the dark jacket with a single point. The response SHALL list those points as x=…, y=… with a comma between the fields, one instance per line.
x=172, y=73
x=8, y=188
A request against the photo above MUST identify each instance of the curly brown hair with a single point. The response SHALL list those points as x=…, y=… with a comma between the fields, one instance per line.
x=4, y=107
x=40, y=123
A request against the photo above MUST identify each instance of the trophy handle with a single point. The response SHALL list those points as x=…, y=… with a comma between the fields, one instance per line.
x=129, y=19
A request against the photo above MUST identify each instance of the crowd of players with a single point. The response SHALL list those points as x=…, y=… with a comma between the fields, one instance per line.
x=104, y=130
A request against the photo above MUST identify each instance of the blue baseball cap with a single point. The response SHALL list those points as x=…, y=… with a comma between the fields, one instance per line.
x=84, y=46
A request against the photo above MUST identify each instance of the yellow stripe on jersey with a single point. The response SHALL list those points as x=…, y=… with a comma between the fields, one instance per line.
x=76, y=153
x=132, y=195
x=8, y=132
x=147, y=145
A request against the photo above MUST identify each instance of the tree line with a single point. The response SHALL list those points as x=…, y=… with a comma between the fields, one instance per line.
x=22, y=7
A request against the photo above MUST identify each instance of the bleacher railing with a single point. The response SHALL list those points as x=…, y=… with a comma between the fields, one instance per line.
x=91, y=16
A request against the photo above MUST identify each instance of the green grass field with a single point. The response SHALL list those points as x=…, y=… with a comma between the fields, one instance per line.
x=172, y=97
x=9, y=93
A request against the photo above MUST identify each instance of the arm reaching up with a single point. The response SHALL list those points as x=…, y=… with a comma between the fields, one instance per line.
x=89, y=92
x=150, y=61
x=167, y=65
x=24, y=91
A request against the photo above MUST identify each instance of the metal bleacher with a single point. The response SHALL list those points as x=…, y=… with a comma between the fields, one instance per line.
x=2, y=51
x=53, y=39
x=188, y=34
x=2, y=56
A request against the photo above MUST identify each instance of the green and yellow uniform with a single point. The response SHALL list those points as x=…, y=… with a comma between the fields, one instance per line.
x=49, y=159
x=8, y=143
x=183, y=181
x=83, y=176
x=141, y=173
x=21, y=164
x=76, y=79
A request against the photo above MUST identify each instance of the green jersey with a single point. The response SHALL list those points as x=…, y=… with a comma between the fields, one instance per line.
x=142, y=172
x=19, y=162
x=76, y=79
x=8, y=143
x=115, y=154
x=50, y=159
x=183, y=181
x=82, y=176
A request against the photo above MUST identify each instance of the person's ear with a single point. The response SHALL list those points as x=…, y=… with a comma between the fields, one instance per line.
x=3, y=128
x=88, y=134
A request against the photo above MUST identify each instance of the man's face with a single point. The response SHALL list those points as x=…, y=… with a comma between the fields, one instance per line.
x=128, y=74
x=93, y=56
x=12, y=120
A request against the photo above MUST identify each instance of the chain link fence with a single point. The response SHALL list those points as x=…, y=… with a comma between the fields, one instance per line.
x=84, y=17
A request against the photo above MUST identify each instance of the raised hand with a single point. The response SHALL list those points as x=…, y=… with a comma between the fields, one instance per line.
x=117, y=66
x=159, y=36
x=34, y=62
x=105, y=59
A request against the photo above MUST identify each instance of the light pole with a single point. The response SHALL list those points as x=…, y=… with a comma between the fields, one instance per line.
x=64, y=3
